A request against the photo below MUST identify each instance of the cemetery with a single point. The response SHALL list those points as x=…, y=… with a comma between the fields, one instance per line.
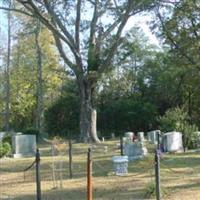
x=114, y=175
x=99, y=100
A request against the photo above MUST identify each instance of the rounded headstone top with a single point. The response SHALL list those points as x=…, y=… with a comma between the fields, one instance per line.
x=129, y=134
x=120, y=159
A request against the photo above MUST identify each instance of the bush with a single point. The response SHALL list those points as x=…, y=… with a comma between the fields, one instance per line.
x=62, y=118
x=177, y=120
x=7, y=139
x=5, y=149
x=31, y=131
x=172, y=120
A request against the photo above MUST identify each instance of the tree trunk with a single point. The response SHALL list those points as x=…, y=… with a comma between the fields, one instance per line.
x=40, y=100
x=87, y=113
x=7, y=109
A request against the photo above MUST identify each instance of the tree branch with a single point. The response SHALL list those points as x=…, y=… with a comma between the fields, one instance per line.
x=16, y=10
x=62, y=52
x=174, y=43
x=59, y=23
x=115, y=43
x=94, y=21
x=77, y=27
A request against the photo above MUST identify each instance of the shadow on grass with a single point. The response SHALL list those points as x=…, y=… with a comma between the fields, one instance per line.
x=185, y=186
x=181, y=162
x=80, y=194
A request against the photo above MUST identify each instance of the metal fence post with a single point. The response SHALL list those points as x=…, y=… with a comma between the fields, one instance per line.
x=157, y=174
x=70, y=160
x=89, y=174
x=38, y=183
x=121, y=146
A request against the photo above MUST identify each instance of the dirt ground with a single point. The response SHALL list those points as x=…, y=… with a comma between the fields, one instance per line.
x=180, y=176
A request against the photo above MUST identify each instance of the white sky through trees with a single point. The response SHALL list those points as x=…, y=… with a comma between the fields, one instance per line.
x=137, y=20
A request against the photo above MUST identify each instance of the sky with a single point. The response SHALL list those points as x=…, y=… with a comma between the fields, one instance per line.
x=141, y=21
x=3, y=26
x=136, y=20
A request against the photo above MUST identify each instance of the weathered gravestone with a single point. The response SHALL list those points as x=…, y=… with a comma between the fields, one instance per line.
x=120, y=165
x=152, y=136
x=140, y=136
x=23, y=145
x=172, y=142
x=135, y=150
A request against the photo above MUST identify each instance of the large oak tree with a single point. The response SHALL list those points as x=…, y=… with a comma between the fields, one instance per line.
x=87, y=34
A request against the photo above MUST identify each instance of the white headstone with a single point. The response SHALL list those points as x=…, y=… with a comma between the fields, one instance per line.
x=172, y=142
x=113, y=135
x=140, y=136
x=129, y=135
x=120, y=165
x=152, y=136
x=24, y=145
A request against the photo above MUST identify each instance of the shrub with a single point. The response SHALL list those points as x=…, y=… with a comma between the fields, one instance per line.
x=62, y=118
x=173, y=119
x=177, y=120
x=31, y=131
x=5, y=149
x=7, y=139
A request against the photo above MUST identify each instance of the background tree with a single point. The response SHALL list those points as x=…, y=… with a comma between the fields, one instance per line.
x=7, y=74
x=24, y=75
x=180, y=31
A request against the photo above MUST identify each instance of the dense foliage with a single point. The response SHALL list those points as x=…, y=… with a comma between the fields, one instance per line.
x=177, y=119
x=5, y=148
x=143, y=87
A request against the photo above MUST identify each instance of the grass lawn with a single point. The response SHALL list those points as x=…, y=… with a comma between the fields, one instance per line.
x=180, y=176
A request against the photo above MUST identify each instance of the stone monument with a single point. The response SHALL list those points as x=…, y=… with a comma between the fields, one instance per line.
x=172, y=142
x=140, y=136
x=120, y=165
x=129, y=135
x=135, y=150
x=23, y=145
x=152, y=136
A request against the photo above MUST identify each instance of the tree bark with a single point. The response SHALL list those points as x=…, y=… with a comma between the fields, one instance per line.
x=88, y=131
x=7, y=109
x=40, y=100
x=94, y=125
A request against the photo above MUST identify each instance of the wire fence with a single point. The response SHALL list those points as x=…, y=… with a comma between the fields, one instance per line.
x=18, y=178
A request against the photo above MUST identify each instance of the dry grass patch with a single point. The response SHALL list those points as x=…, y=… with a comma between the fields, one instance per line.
x=180, y=175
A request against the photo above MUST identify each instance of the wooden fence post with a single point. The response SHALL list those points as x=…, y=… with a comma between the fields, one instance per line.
x=70, y=160
x=89, y=174
x=38, y=182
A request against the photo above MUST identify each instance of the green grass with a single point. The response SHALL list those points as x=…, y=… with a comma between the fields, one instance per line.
x=180, y=176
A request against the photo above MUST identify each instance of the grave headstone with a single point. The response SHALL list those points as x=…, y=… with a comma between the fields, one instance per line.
x=140, y=136
x=113, y=135
x=120, y=165
x=129, y=135
x=135, y=150
x=152, y=136
x=24, y=145
x=172, y=142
